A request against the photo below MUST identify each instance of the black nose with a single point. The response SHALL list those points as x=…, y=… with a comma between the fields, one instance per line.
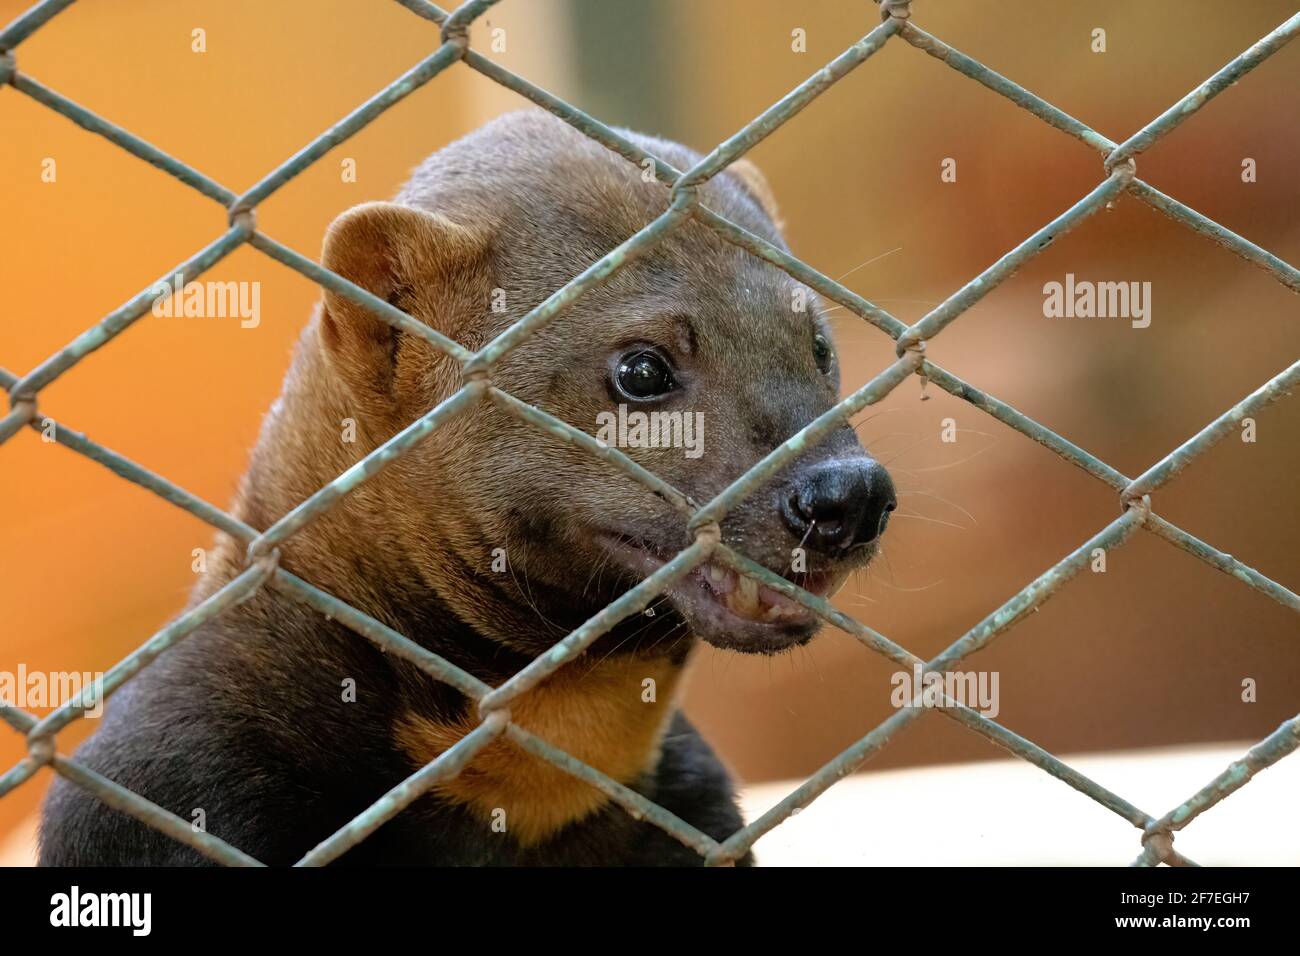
x=846, y=502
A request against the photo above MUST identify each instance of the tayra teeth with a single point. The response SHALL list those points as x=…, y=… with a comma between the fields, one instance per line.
x=744, y=599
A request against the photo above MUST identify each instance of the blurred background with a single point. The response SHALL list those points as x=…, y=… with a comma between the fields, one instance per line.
x=1151, y=653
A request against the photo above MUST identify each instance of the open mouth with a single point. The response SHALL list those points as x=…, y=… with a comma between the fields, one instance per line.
x=748, y=600
x=731, y=610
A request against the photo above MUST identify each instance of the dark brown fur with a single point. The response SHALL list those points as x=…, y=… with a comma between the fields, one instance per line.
x=245, y=718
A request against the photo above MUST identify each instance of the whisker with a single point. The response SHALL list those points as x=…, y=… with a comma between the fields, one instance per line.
x=637, y=633
x=526, y=590
x=857, y=586
x=940, y=498
x=875, y=415
x=949, y=524
x=924, y=587
x=954, y=464
x=969, y=431
x=903, y=471
x=868, y=262
x=816, y=667
x=909, y=448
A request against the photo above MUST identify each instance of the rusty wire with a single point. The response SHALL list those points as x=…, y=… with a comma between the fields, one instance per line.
x=682, y=205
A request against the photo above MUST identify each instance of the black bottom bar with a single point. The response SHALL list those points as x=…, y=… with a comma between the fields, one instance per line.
x=598, y=907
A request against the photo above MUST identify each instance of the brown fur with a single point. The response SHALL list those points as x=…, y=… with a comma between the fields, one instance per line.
x=439, y=259
x=248, y=706
x=756, y=183
x=594, y=712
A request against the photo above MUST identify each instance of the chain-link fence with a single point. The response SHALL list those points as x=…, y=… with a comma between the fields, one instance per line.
x=682, y=205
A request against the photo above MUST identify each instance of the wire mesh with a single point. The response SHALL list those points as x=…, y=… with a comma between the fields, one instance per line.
x=683, y=205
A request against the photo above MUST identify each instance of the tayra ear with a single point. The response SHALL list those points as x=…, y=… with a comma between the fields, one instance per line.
x=755, y=183
x=422, y=263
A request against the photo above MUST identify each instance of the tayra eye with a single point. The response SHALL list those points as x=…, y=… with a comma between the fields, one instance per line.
x=644, y=375
x=823, y=353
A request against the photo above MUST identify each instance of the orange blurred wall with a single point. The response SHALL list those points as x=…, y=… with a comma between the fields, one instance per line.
x=92, y=564
x=1151, y=652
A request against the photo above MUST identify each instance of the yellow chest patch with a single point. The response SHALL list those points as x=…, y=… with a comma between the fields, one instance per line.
x=597, y=713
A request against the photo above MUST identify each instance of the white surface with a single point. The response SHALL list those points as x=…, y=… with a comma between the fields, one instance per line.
x=1008, y=812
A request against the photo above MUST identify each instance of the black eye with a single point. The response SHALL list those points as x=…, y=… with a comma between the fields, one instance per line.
x=823, y=353
x=644, y=375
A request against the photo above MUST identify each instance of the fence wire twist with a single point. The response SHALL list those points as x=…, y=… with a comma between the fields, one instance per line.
x=1119, y=168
